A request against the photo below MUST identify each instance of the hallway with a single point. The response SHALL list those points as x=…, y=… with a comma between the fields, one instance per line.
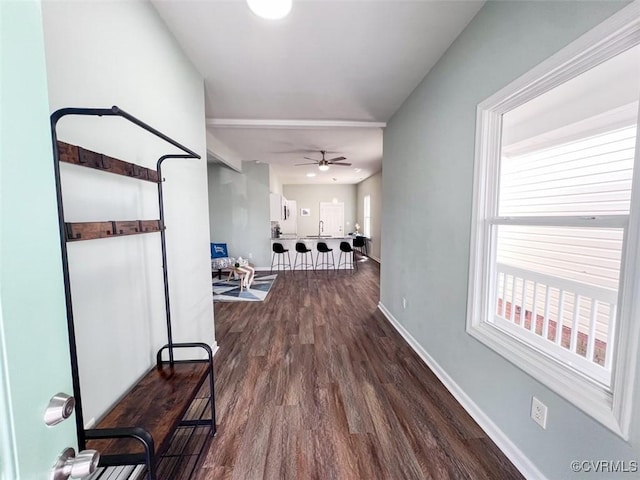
x=314, y=383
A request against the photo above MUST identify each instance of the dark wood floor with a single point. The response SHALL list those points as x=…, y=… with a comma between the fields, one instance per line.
x=314, y=383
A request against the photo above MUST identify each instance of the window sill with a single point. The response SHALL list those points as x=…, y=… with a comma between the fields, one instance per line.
x=592, y=398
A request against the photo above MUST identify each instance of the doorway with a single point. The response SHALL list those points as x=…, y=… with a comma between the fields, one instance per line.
x=332, y=218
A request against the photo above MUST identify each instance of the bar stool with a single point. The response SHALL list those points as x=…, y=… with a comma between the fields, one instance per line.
x=350, y=253
x=324, y=250
x=280, y=251
x=360, y=245
x=301, y=249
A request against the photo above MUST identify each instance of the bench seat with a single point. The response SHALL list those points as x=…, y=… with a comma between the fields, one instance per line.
x=161, y=402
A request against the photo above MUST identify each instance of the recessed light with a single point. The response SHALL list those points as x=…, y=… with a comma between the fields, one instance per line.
x=311, y=174
x=270, y=9
x=358, y=169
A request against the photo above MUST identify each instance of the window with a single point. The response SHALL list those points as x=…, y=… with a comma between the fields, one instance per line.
x=367, y=216
x=554, y=253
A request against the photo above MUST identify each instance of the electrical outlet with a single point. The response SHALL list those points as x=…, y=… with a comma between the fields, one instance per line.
x=404, y=303
x=539, y=412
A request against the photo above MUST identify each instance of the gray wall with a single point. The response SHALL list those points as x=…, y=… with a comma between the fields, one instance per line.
x=310, y=196
x=371, y=186
x=239, y=210
x=427, y=188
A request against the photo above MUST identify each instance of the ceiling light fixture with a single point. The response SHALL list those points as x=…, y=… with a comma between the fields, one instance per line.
x=311, y=174
x=270, y=9
x=323, y=167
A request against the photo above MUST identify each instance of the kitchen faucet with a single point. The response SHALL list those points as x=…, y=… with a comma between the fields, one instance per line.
x=320, y=227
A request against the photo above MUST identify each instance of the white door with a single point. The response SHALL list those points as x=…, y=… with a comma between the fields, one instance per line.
x=332, y=218
x=34, y=347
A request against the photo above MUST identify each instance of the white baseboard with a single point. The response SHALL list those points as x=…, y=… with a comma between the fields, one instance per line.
x=504, y=443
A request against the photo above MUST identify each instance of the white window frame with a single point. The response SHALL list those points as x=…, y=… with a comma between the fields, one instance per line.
x=611, y=406
x=367, y=216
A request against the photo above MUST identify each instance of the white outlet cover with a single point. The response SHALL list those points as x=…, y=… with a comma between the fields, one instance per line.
x=539, y=412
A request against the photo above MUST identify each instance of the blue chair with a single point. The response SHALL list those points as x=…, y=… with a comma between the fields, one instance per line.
x=220, y=258
x=219, y=250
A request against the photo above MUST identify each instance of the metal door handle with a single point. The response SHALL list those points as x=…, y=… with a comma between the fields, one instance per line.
x=60, y=408
x=68, y=465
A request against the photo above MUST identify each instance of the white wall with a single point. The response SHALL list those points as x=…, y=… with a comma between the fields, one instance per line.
x=120, y=53
x=310, y=196
x=371, y=186
x=427, y=188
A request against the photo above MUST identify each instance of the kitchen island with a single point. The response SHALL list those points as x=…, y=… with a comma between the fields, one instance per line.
x=289, y=242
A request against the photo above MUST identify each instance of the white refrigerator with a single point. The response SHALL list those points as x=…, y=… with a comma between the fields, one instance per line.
x=290, y=225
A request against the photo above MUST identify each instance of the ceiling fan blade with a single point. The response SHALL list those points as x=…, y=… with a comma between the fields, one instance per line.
x=340, y=164
x=337, y=159
x=311, y=159
x=298, y=164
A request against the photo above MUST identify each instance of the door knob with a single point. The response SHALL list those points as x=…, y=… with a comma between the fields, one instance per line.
x=68, y=465
x=60, y=408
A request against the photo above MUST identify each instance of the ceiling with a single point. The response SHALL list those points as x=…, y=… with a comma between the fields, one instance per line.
x=328, y=76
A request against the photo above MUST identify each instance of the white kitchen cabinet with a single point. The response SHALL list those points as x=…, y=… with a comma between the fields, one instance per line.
x=279, y=207
x=275, y=204
x=289, y=226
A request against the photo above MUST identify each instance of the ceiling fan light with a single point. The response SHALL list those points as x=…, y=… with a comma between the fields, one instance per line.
x=323, y=168
x=270, y=9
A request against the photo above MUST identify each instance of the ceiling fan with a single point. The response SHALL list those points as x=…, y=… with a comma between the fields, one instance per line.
x=323, y=164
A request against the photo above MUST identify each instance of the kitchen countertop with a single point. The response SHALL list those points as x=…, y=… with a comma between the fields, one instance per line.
x=312, y=237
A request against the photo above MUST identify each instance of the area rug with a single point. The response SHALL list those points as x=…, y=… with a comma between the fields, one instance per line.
x=229, y=291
